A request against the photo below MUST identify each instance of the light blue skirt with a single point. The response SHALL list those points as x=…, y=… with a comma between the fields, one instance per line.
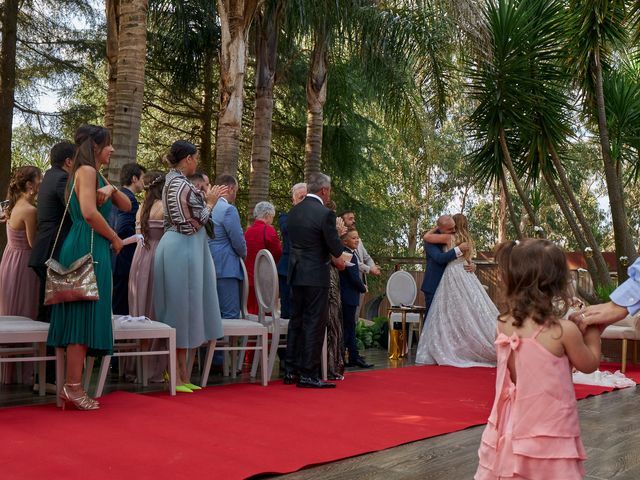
x=184, y=288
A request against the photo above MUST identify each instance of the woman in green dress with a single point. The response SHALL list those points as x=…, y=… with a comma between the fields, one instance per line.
x=85, y=328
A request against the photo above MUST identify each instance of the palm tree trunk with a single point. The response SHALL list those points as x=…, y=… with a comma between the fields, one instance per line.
x=9, y=23
x=113, y=22
x=507, y=199
x=621, y=234
x=206, y=155
x=268, y=26
x=577, y=232
x=316, y=98
x=602, y=275
x=235, y=19
x=502, y=215
x=132, y=51
x=533, y=218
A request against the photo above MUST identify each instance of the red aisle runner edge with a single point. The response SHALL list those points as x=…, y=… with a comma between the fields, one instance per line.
x=240, y=430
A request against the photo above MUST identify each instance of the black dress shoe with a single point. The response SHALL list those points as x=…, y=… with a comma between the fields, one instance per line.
x=290, y=378
x=311, y=382
x=360, y=362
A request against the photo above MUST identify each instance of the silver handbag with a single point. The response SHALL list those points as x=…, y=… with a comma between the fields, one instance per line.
x=74, y=283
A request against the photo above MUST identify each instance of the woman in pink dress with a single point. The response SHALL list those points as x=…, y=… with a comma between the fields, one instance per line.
x=149, y=223
x=18, y=283
x=533, y=431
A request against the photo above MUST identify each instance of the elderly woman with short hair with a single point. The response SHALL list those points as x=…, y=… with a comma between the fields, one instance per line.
x=258, y=236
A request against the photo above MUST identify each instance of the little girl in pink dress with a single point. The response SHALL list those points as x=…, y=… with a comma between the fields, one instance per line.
x=533, y=431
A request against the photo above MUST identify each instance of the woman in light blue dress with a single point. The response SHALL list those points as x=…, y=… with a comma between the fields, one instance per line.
x=184, y=291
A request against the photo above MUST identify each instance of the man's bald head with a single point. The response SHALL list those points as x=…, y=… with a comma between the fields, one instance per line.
x=446, y=224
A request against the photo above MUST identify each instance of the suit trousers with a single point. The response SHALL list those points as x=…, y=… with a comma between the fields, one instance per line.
x=309, y=314
x=229, y=297
x=285, y=297
x=349, y=326
x=44, y=315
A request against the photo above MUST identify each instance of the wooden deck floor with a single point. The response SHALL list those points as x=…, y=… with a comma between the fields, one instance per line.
x=610, y=431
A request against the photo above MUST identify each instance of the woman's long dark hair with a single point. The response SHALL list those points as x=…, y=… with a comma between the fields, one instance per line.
x=153, y=182
x=87, y=137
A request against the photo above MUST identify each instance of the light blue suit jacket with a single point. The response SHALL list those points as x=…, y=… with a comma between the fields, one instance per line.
x=228, y=246
x=628, y=294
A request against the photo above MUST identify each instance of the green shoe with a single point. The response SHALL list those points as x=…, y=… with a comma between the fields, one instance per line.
x=183, y=388
x=192, y=386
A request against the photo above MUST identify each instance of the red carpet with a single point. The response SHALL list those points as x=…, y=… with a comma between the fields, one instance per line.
x=237, y=431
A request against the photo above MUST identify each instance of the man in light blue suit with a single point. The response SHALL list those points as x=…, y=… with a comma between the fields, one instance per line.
x=227, y=248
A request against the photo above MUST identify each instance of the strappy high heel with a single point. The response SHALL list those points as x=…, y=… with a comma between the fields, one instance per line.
x=80, y=400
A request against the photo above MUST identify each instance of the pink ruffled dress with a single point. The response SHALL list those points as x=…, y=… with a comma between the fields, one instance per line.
x=533, y=431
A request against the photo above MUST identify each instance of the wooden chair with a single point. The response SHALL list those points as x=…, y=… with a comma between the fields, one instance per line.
x=402, y=291
x=239, y=329
x=625, y=330
x=21, y=330
x=123, y=335
x=267, y=293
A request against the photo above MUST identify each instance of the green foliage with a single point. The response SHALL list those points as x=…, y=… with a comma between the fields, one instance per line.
x=369, y=336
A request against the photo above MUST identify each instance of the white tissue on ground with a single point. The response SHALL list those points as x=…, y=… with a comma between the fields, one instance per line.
x=604, y=379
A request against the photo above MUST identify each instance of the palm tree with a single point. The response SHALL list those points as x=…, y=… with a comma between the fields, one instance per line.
x=129, y=85
x=235, y=20
x=498, y=81
x=9, y=23
x=268, y=20
x=597, y=30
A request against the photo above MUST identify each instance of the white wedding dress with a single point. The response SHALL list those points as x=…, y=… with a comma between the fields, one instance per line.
x=461, y=324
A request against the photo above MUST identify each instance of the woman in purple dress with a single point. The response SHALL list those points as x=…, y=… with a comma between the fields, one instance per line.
x=19, y=283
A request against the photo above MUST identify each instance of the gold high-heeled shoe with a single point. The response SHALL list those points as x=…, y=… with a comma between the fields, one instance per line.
x=80, y=400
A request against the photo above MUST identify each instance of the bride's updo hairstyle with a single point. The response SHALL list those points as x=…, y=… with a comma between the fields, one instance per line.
x=535, y=277
x=179, y=150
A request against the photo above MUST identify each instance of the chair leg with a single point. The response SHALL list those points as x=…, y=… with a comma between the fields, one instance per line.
x=42, y=367
x=266, y=373
x=325, y=360
x=102, y=376
x=242, y=353
x=88, y=370
x=635, y=352
x=273, y=351
x=59, y=374
x=172, y=362
x=624, y=355
x=207, y=363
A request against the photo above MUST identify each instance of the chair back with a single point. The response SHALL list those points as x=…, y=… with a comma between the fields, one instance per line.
x=401, y=289
x=244, y=295
x=265, y=280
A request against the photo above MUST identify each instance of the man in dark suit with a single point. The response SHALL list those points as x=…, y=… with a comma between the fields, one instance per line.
x=437, y=260
x=125, y=226
x=313, y=239
x=51, y=205
x=298, y=192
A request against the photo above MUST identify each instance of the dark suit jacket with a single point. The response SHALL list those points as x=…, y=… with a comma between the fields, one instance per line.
x=351, y=284
x=437, y=261
x=283, y=264
x=125, y=226
x=51, y=203
x=313, y=239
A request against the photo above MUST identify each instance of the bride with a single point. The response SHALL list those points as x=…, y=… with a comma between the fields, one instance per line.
x=461, y=324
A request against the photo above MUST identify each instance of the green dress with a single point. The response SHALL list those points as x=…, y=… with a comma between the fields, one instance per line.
x=86, y=323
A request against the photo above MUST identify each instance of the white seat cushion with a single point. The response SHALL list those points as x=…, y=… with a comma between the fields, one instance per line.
x=21, y=324
x=619, y=332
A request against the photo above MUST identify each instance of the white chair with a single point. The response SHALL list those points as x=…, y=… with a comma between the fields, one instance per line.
x=20, y=330
x=123, y=333
x=267, y=293
x=402, y=291
x=239, y=328
x=625, y=330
